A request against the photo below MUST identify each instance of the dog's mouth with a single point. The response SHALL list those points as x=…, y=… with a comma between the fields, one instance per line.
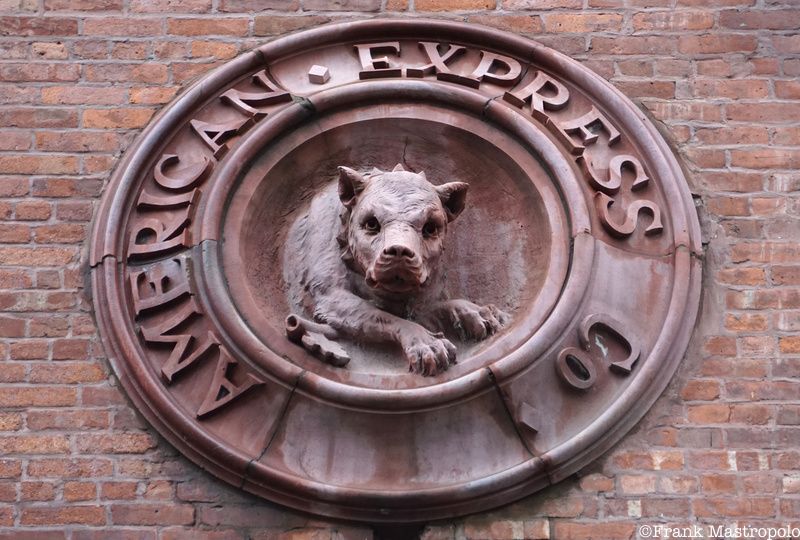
x=395, y=279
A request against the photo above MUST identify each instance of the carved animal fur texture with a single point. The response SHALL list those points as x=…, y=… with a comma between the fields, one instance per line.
x=364, y=263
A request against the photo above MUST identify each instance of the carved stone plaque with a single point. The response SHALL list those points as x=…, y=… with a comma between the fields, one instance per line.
x=396, y=270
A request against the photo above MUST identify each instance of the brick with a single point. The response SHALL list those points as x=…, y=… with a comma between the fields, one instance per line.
x=90, y=49
x=14, y=186
x=701, y=390
x=542, y=4
x=612, y=530
x=236, y=6
x=637, y=484
x=447, y=5
x=38, y=256
x=15, y=141
x=179, y=6
x=83, y=5
x=766, y=158
x=152, y=95
x=69, y=468
x=15, y=234
x=117, y=118
x=582, y=22
x=765, y=112
x=738, y=507
x=38, y=118
x=130, y=51
x=152, y=514
x=48, y=326
x=148, y=72
x=499, y=529
x=672, y=21
x=786, y=136
x=716, y=483
x=67, y=373
x=186, y=71
x=10, y=421
x=746, y=322
x=37, y=491
x=214, y=49
x=39, y=72
x=38, y=26
x=640, y=89
x=677, y=485
x=80, y=491
x=34, y=444
x=116, y=443
x=208, y=27
x=65, y=233
x=122, y=26
x=67, y=419
x=751, y=414
x=67, y=515
x=38, y=164
x=717, y=43
x=77, y=141
x=83, y=95
x=118, y=490
x=655, y=45
x=734, y=135
x=596, y=482
x=777, y=19
x=786, y=44
x=521, y=24
x=731, y=89
x=708, y=414
x=39, y=396
x=681, y=111
x=276, y=24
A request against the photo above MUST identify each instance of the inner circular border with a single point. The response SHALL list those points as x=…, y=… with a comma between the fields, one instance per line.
x=213, y=286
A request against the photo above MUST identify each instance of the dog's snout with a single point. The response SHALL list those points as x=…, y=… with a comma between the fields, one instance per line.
x=397, y=250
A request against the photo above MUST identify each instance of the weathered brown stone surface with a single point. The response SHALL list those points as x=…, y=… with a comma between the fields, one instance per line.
x=719, y=76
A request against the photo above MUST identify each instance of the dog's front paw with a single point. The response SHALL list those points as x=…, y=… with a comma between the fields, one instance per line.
x=427, y=353
x=471, y=321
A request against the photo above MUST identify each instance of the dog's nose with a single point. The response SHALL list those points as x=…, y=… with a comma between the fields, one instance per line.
x=398, y=250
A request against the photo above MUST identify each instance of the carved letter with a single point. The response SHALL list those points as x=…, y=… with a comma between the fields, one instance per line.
x=374, y=68
x=544, y=92
x=576, y=368
x=603, y=202
x=222, y=390
x=184, y=178
x=615, y=166
x=485, y=71
x=618, y=330
x=214, y=135
x=248, y=101
x=159, y=285
x=156, y=237
x=438, y=61
x=587, y=128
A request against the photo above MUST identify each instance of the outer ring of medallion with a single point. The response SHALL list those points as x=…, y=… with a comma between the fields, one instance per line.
x=377, y=502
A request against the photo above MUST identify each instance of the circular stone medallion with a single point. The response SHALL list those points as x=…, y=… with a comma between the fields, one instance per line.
x=230, y=282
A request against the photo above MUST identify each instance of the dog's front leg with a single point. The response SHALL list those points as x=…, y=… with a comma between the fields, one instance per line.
x=427, y=353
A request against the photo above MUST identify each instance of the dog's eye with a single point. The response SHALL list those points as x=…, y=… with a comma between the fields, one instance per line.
x=372, y=225
x=430, y=229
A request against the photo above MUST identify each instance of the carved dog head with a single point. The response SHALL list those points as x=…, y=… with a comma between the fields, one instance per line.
x=394, y=226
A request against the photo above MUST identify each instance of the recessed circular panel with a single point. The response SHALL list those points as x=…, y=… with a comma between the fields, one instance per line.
x=561, y=291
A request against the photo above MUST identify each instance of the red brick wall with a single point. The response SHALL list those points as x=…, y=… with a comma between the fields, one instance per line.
x=80, y=78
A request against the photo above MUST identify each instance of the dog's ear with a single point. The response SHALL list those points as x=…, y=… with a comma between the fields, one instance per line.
x=454, y=198
x=351, y=183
